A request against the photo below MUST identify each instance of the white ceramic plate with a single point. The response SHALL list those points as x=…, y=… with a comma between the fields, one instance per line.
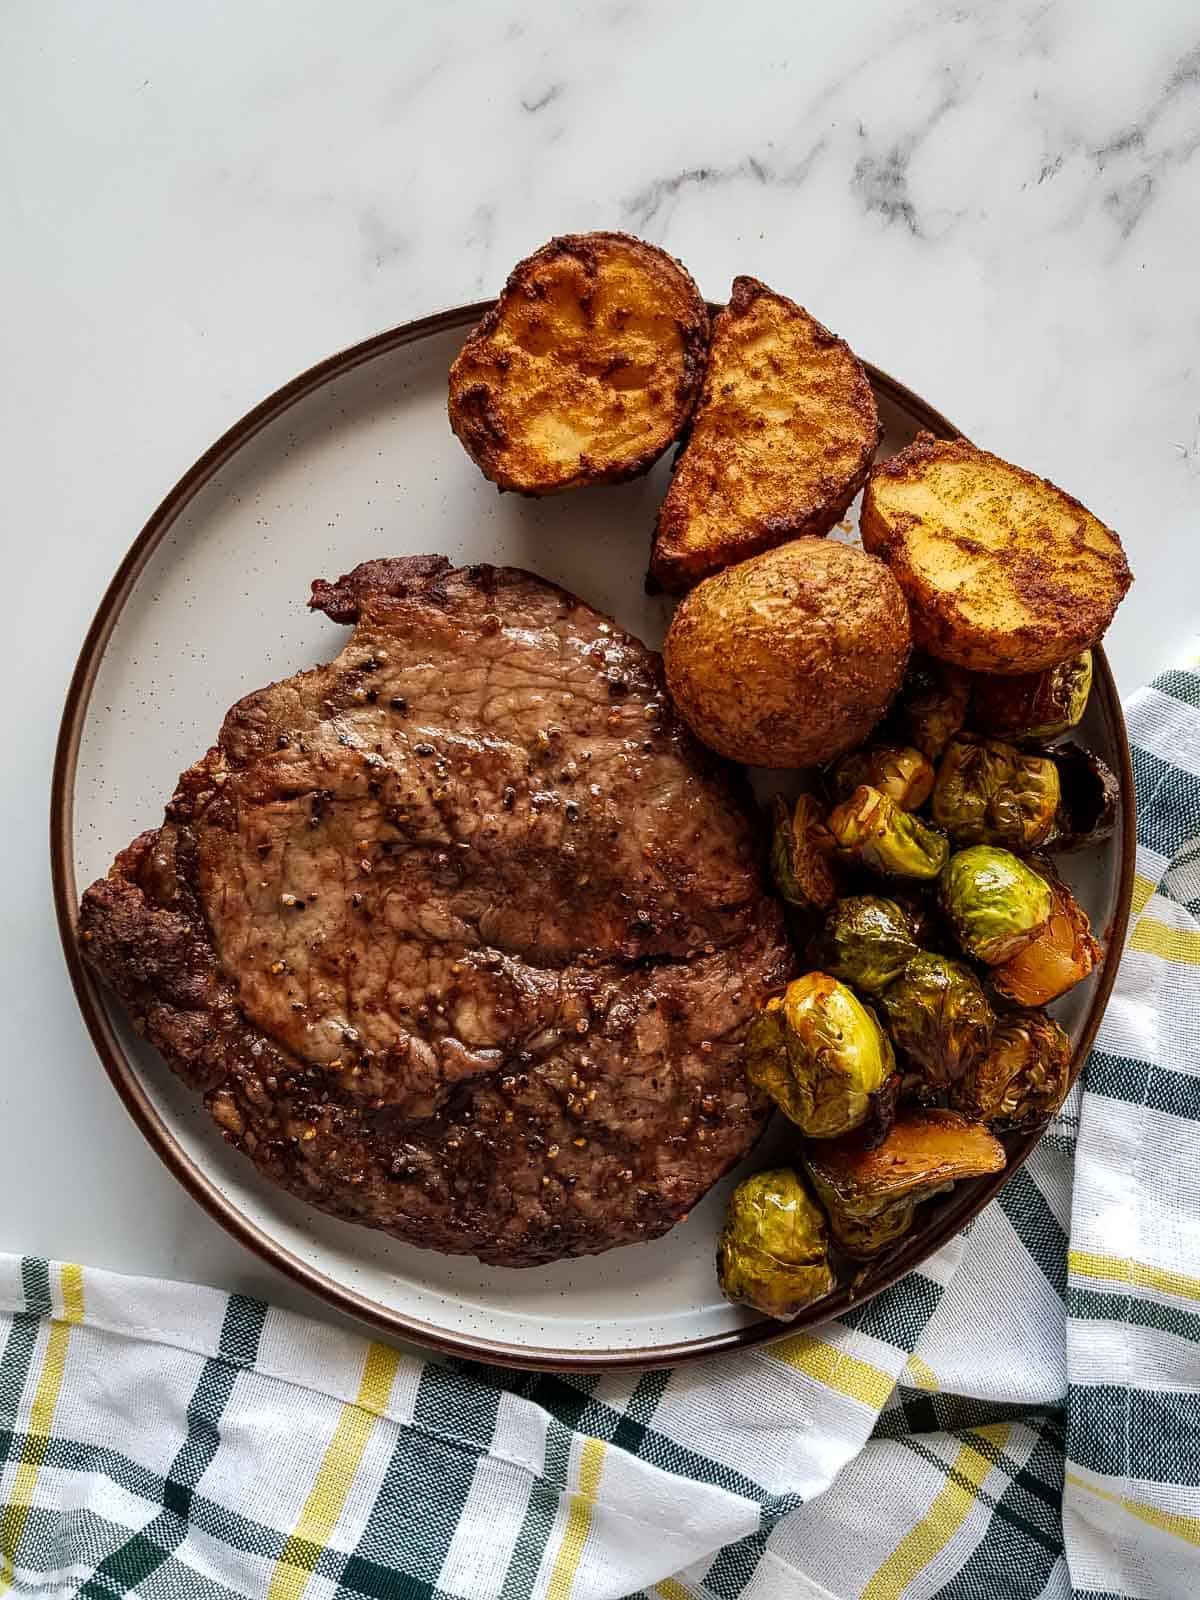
x=352, y=460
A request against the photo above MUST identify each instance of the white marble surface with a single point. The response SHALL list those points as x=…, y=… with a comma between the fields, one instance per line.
x=999, y=204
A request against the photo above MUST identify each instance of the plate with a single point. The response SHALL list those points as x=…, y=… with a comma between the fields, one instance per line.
x=352, y=459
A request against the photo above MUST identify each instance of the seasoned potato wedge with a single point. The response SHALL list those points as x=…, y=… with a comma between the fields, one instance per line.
x=1003, y=572
x=585, y=370
x=781, y=442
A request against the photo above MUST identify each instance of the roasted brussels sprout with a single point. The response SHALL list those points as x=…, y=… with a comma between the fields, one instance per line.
x=1023, y=1076
x=931, y=706
x=1033, y=706
x=1060, y=955
x=772, y=1253
x=1087, y=812
x=939, y=1020
x=869, y=1195
x=800, y=867
x=898, y=770
x=989, y=792
x=993, y=901
x=866, y=941
x=820, y=1054
x=872, y=829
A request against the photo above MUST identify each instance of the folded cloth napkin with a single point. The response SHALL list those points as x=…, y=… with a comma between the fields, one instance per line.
x=1019, y=1418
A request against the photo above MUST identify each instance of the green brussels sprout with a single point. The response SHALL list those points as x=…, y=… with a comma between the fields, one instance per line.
x=820, y=1054
x=872, y=829
x=866, y=941
x=1087, y=812
x=939, y=1020
x=931, y=706
x=1023, y=1076
x=772, y=1253
x=1033, y=706
x=993, y=901
x=1060, y=955
x=800, y=844
x=988, y=792
x=869, y=1194
x=897, y=770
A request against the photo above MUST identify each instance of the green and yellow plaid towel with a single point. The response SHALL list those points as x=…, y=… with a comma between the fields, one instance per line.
x=1020, y=1418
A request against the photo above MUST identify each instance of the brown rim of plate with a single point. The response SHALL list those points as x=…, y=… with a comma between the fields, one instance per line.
x=950, y=1217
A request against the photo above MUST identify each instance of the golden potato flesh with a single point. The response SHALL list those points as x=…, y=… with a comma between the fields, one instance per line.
x=791, y=658
x=585, y=370
x=1003, y=572
x=781, y=442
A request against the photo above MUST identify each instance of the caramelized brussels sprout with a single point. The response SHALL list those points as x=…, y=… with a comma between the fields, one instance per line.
x=1087, y=812
x=1024, y=1075
x=866, y=941
x=869, y=1195
x=820, y=1054
x=1060, y=955
x=993, y=901
x=1033, y=705
x=931, y=706
x=772, y=1253
x=800, y=867
x=989, y=792
x=897, y=770
x=939, y=1020
x=872, y=829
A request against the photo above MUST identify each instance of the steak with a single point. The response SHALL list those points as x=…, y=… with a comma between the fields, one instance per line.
x=459, y=934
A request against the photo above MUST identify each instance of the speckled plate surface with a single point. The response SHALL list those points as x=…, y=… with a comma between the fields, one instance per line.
x=356, y=459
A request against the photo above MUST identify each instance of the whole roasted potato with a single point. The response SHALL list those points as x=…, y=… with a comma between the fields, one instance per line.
x=791, y=658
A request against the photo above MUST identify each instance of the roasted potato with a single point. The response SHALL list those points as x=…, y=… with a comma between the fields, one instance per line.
x=791, y=658
x=585, y=370
x=780, y=444
x=1003, y=572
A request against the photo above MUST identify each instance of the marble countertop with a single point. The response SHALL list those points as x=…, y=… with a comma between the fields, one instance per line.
x=998, y=204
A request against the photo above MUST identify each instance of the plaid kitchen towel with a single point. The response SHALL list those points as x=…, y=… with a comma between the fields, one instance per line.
x=1019, y=1418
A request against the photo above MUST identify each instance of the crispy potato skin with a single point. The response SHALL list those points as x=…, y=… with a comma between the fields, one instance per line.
x=790, y=658
x=781, y=442
x=1002, y=570
x=585, y=370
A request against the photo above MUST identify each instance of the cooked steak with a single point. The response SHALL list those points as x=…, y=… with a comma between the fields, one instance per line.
x=458, y=934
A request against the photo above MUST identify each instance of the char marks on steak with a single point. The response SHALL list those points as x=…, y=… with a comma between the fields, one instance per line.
x=459, y=933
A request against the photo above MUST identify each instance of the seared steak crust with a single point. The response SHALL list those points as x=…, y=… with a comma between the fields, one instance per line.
x=458, y=934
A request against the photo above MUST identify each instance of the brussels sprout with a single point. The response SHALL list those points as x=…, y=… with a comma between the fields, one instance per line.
x=931, y=706
x=897, y=770
x=1061, y=954
x=993, y=901
x=988, y=792
x=820, y=1054
x=872, y=829
x=866, y=941
x=800, y=867
x=772, y=1253
x=869, y=1195
x=939, y=1020
x=1024, y=1075
x=1035, y=706
x=1087, y=812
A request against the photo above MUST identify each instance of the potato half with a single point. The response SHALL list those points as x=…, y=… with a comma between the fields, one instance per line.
x=780, y=444
x=1003, y=572
x=585, y=370
x=790, y=658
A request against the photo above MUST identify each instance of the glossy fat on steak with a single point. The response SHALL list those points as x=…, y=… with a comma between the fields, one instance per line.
x=459, y=934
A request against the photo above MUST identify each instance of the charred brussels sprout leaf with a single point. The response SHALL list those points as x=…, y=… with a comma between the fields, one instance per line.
x=931, y=706
x=1024, y=1075
x=993, y=901
x=820, y=1054
x=869, y=1195
x=989, y=792
x=1087, y=812
x=1062, y=954
x=873, y=830
x=939, y=1020
x=772, y=1252
x=899, y=771
x=1036, y=705
x=800, y=844
x=867, y=941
